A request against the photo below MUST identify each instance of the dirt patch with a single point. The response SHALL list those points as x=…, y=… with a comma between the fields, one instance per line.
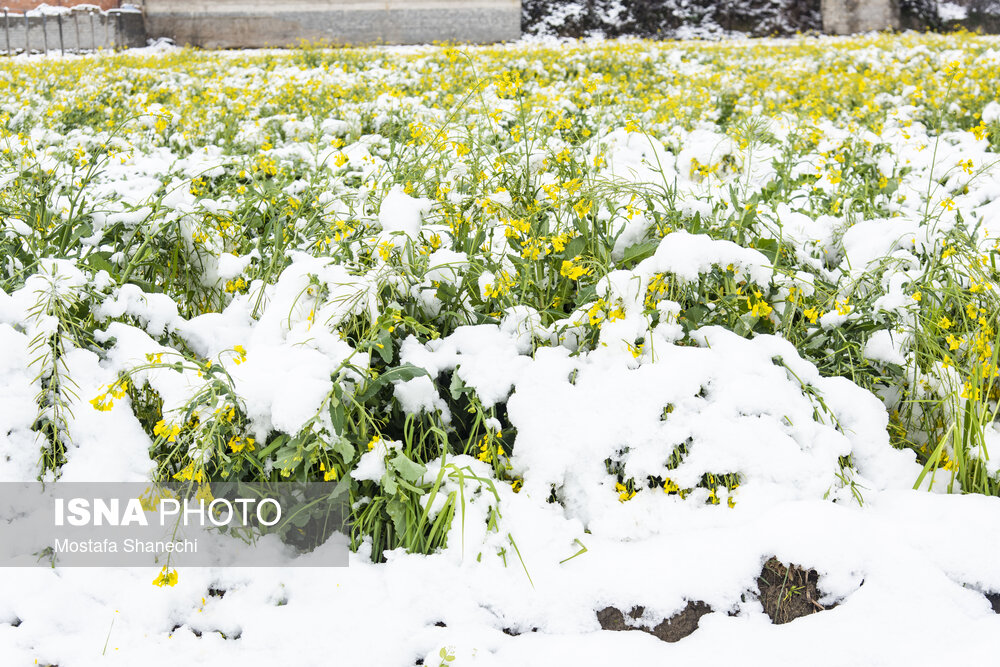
x=788, y=592
x=994, y=599
x=673, y=629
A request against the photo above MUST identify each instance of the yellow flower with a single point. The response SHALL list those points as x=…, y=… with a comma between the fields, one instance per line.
x=954, y=342
x=917, y=296
x=535, y=249
x=235, y=285
x=164, y=431
x=102, y=402
x=944, y=322
x=760, y=308
x=242, y=354
x=811, y=314
x=166, y=577
x=582, y=208
x=204, y=492
x=624, y=495
x=572, y=270
x=499, y=287
x=559, y=242
x=969, y=393
x=595, y=314
x=188, y=473
x=118, y=389
x=238, y=444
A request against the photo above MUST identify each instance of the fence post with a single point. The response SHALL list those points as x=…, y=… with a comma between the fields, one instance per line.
x=6, y=30
x=93, y=32
x=27, y=32
x=76, y=27
x=45, y=35
x=62, y=44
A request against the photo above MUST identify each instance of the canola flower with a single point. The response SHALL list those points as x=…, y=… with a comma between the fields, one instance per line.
x=573, y=269
x=166, y=577
x=292, y=154
x=169, y=432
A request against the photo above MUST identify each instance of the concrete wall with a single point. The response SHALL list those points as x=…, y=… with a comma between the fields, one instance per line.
x=70, y=33
x=20, y=6
x=257, y=23
x=846, y=17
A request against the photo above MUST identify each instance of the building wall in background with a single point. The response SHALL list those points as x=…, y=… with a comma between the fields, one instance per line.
x=847, y=17
x=18, y=6
x=259, y=23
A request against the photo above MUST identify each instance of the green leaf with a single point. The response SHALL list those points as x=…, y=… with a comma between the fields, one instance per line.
x=586, y=294
x=344, y=448
x=403, y=373
x=383, y=346
x=337, y=415
x=745, y=324
x=277, y=442
x=447, y=292
x=399, y=373
x=457, y=387
x=80, y=232
x=396, y=509
x=695, y=225
x=640, y=251
x=575, y=247
x=99, y=262
x=769, y=248
x=407, y=469
x=692, y=317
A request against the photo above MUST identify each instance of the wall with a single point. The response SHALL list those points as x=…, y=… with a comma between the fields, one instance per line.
x=18, y=6
x=846, y=17
x=71, y=33
x=258, y=23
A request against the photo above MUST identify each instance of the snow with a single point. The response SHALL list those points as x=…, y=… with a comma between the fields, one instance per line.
x=871, y=559
x=689, y=255
x=950, y=11
x=907, y=568
x=991, y=112
x=401, y=213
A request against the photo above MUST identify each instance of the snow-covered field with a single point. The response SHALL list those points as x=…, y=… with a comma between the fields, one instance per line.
x=583, y=325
